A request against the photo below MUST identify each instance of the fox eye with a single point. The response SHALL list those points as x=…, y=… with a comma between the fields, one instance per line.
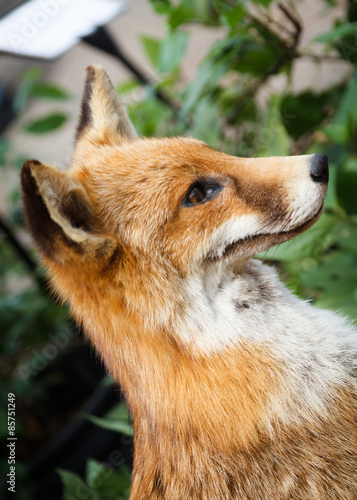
x=200, y=192
x=196, y=195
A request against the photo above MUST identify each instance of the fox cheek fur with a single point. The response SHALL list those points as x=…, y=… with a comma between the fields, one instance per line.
x=238, y=389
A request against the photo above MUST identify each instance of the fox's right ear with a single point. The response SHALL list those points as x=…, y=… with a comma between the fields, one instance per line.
x=60, y=216
x=103, y=117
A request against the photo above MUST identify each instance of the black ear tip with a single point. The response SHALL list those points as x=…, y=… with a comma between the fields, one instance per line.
x=85, y=118
x=26, y=174
x=27, y=179
x=28, y=163
x=90, y=73
x=25, y=168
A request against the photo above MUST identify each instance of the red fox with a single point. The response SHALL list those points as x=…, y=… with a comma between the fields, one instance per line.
x=237, y=388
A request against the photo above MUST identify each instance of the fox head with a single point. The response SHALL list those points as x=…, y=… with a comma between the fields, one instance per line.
x=133, y=218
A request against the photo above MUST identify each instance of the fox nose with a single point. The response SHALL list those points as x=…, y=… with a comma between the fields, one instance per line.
x=319, y=168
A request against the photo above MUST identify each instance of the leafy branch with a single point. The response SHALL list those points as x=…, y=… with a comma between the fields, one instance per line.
x=288, y=54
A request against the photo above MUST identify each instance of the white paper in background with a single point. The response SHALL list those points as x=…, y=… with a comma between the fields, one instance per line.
x=47, y=28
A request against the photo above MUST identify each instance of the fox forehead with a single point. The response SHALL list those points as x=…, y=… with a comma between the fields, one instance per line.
x=161, y=157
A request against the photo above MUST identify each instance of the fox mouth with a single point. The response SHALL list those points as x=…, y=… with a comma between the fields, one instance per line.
x=252, y=245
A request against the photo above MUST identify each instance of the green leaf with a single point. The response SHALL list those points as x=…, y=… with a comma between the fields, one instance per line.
x=336, y=279
x=346, y=185
x=111, y=425
x=127, y=86
x=303, y=113
x=266, y=34
x=264, y=3
x=49, y=91
x=116, y=420
x=209, y=74
x=351, y=11
x=273, y=138
x=25, y=89
x=204, y=11
x=331, y=199
x=337, y=33
x=206, y=123
x=106, y=481
x=348, y=106
x=150, y=116
x=344, y=234
x=248, y=111
x=4, y=149
x=161, y=6
x=152, y=48
x=255, y=57
x=344, y=122
x=347, y=48
x=171, y=51
x=181, y=14
x=46, y=124
x=75, y=488
x=233, y=17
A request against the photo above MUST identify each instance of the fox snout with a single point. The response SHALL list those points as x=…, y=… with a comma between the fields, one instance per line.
x=282, y=196
x=319, y=168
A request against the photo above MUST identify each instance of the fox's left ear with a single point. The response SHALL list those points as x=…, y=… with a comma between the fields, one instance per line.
x=61, y=217
x=103, y=117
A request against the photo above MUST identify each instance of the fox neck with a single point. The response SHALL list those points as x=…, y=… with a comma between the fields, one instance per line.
x=192, y=413
x=172, y=381
x=213, y=339
x=217, y=388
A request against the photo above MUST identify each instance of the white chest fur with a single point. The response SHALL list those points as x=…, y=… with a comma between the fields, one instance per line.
x=317, y=348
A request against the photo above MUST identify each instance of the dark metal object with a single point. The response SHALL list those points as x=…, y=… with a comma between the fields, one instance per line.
x=102, y=39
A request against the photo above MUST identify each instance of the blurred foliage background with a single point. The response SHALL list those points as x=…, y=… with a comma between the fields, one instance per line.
x=230, y=106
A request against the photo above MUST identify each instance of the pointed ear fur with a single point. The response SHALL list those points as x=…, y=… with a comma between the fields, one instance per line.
x=103, y=116
x=59, y=215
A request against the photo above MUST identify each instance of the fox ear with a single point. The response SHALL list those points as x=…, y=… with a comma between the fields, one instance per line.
x=103, y=117
x=59, y=215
